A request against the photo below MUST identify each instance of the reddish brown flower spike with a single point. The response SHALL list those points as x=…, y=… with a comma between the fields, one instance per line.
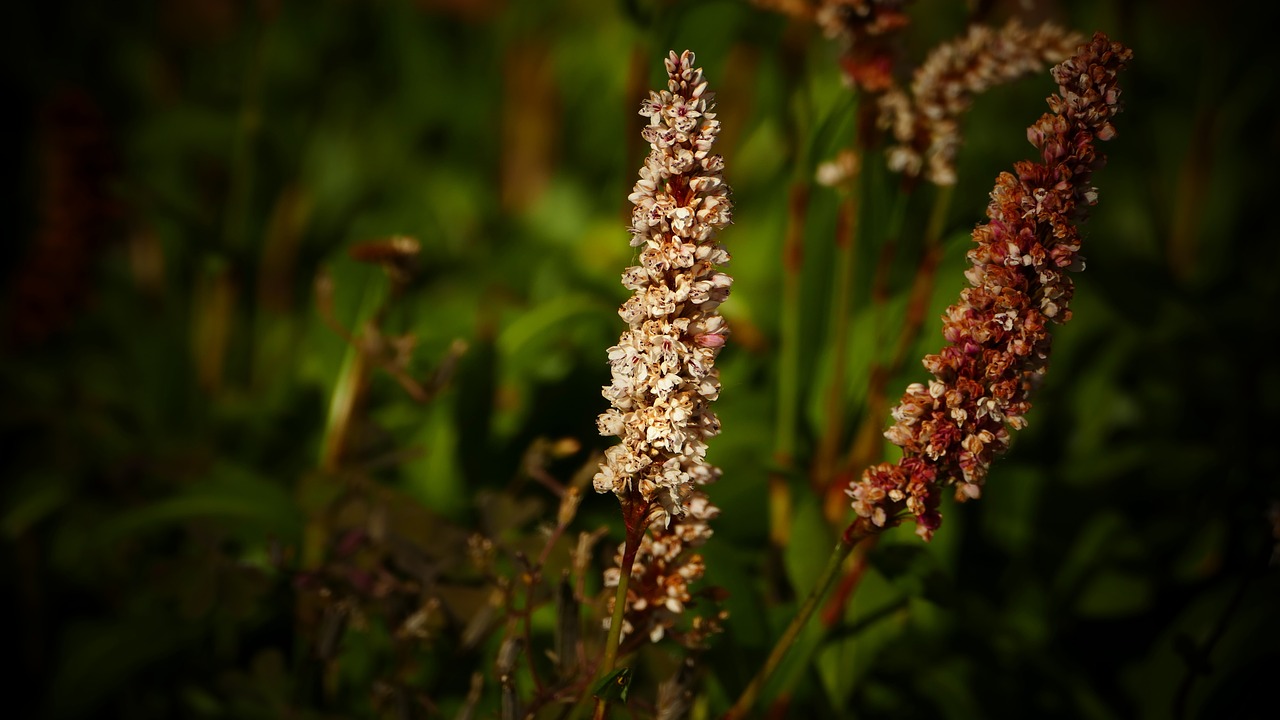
x=998, y=342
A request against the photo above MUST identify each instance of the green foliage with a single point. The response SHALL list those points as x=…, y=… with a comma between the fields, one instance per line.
x=252, y=474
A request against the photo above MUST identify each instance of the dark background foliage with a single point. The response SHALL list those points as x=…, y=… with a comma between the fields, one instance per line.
x=172, y=389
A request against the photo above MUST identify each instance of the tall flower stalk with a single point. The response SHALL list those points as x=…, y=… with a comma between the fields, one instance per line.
x=998, y=342
x=664, y=374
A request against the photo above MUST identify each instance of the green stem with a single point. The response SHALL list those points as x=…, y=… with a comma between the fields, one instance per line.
x=918, y=300
x=799, y=122
x=635, y=532
x=841, y=323
x=619, y=610
x=788, y=369
x=938, y=216
x=852, y=535
x=353, y=376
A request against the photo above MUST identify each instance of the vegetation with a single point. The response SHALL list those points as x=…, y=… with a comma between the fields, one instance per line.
x=308, y=315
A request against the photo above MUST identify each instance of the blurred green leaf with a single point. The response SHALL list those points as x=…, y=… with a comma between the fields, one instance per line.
x=252, y=505
x=177, y=539
x=810, y=544
x=100, y=658
x=35, y=500
x=1113, y=593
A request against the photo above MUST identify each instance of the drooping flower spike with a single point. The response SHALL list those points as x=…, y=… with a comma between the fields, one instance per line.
x=925, y=119
x=998, y=341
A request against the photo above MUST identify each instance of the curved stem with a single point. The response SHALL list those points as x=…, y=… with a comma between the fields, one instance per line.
x=852, y=535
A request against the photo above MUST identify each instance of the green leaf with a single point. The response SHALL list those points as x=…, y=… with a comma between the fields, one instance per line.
x=36, y=503
x=810, y=545
x=99, y=659
x=1112, y=593
x=236, y=495
x=615, y=687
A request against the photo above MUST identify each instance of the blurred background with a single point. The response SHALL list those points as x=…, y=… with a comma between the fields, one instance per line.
x=289, y=279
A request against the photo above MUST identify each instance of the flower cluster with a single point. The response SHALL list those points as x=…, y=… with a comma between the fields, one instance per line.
x=864, y=29
x=663, y=367
x=660, y=578
x=998, y=342
x=926, y=122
